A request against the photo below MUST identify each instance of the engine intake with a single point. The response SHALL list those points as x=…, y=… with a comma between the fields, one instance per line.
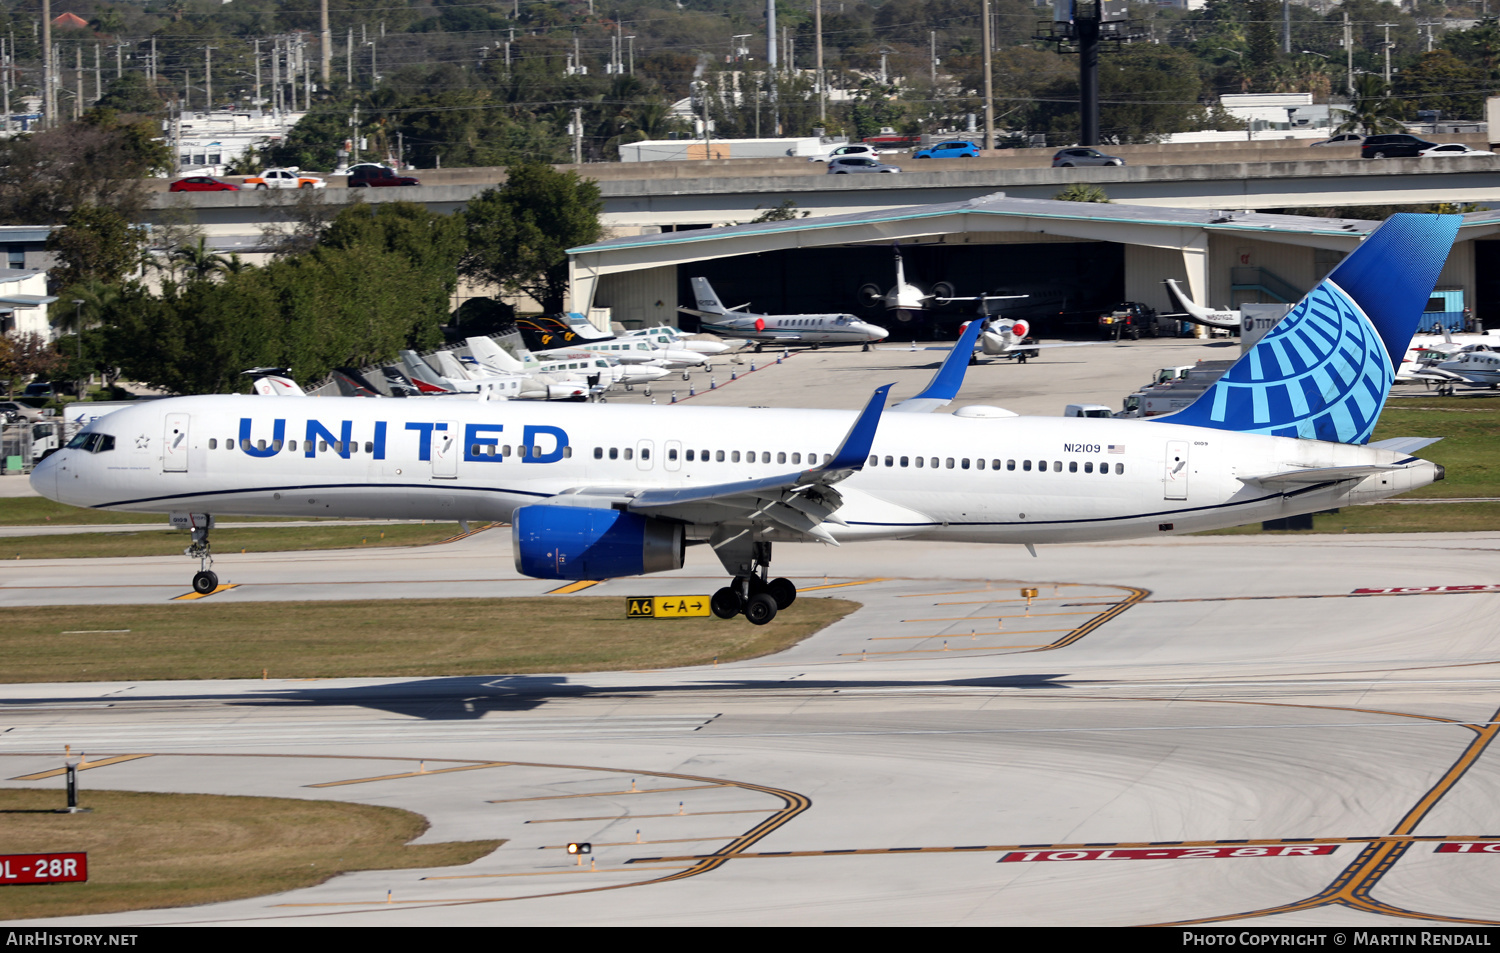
x=573, y=542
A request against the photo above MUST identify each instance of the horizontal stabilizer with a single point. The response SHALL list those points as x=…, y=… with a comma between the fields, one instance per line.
x=1405, y=444
x=1318, y=475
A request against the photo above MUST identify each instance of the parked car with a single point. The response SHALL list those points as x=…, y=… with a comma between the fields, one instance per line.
x=846, y=164
x=202, y=183
x=853, y=149
x=952, y=149
x=291, y=178
x=1082, y=155
x=372, y=175
x=13, y=410
x=1454, y=149
x=1344, y=139
x=1393, y=146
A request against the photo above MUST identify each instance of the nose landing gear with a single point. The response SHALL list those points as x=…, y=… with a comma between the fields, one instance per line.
x=752, y=593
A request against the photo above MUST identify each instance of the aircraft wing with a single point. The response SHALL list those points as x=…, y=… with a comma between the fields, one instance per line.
x=797, y=502
x=945, y=384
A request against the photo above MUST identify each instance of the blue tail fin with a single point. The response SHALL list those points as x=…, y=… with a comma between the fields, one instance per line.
x=1325, y=370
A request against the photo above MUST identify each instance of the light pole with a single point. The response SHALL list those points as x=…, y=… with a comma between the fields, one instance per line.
x=78, y=337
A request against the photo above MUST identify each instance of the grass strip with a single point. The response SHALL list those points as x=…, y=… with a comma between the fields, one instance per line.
x=172, y=850
x=394, y=638
x=40, y=511
x=270, y=539
x=1390, y=518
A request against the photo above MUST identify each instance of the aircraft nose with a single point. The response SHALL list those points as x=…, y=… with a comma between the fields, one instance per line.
x=44, y=477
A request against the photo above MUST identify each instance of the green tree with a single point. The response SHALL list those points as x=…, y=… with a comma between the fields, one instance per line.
x=1442, y=81
x=1082, y=192
x=1371, y=109
x=98, y=243
x=519, y=233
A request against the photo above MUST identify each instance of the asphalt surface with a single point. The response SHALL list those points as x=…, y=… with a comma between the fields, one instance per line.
x=1180, y=730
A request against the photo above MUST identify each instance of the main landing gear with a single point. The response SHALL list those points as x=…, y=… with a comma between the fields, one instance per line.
x=205, y=580
x=751, y=592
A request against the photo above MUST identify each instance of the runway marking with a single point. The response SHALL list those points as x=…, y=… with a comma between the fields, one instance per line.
x=1009, y=584
x=472, y=532
x=958, y=635
x=989, y=602
x=1288, y=843
x=1357, y=594
x=409, y=774
x=1352, y=887
x=224, y=587
x=840, y=585
x=81, y=766
x=571, y=587
x=564, y=797
x=626, y=817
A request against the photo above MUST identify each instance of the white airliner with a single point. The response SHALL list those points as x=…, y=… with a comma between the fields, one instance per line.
x=763, y=329
x=595, y=492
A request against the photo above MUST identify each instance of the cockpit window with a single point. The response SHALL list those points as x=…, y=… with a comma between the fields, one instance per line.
x=92, y=442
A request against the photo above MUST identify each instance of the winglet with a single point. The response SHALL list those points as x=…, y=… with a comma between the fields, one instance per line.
x=852, y=452
x=945, y=384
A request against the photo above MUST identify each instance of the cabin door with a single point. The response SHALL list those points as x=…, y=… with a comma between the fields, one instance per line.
x=1175, y=478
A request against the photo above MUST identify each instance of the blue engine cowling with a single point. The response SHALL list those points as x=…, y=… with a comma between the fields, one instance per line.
x=573, y=542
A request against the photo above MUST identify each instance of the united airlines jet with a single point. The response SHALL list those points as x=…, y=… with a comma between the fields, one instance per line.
x=594, y=492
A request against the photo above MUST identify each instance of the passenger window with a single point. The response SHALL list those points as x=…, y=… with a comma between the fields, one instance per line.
x=1088, y=466
x=645, y=453
x=1010, y=464
x=719, y=456
x=523, y=448
x=1056, y=466
x=322, y=446
x=1119, y=468
x=1025, y=464
x=905, y=461
x=919, y=462
x=734, y=456
x=1072, y=466
x=934, y=462
x=260, y=445
x=598, y=453
x=672, y=453
x=629, y=453
x=874, y=460
x=567, y=453
x=291, y=445
x=796, y=458
x=614, y=453
x=475, y=450
x=690, y=456
x=950, y=463
x=229, y=445
x=505, y=450
x=964, y=463
x=888, y=461
x=369, y=447
x=213, y=443
x=781, y=456
x=979, y=463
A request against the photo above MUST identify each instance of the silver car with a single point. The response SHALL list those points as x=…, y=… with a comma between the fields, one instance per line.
x=845, y=165
x=1083, y=155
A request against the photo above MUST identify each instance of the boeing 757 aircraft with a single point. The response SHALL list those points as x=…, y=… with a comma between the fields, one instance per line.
x=814, y=329
x=594, y=492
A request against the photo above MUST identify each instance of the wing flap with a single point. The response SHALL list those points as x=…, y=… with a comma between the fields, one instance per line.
x=1317, y=475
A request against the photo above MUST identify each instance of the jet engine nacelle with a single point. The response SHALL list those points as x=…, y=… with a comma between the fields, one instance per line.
x=575, y=542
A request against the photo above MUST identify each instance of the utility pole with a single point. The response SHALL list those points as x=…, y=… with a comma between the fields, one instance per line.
x=153, y=61
x=822, y=84
x=989, y=84
x=49, y=94
x=349, y=59
x=276, y=77
x=78, y=81
x=1349, y=53
x=325, y=36
x=257, y=75
x=1286, y=25
x=577, y=135
x=631, y=40
x=932, y=54
x=1387, y=47
x=208, y=78
x=119, y=60
x=5, y=79
x=98, y=78
x=771, y=63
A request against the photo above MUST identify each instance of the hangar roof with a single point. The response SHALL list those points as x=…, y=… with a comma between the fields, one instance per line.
x=1128, y=224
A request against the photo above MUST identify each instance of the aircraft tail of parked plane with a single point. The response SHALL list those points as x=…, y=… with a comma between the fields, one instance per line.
x=1325, y=370
x=275, y=382
x=1197, y=314
x=490, y=355
x=353, y=384
x=814, y=329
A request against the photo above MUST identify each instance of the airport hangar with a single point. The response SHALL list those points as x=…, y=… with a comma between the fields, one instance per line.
x=1069, y=257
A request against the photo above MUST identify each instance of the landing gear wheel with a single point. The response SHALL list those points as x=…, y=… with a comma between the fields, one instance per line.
x=684, y=375
x=725, y=603
x=205, y=582
x=782, y=591
x=761, y=608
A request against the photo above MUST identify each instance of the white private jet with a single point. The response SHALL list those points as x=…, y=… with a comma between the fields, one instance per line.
x=667, y=336
x=602, y=491
x=763, y=329
x=579, y=366
x=1197, y=314
x=1477, y=365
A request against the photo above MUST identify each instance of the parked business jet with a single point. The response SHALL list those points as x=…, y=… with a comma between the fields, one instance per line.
x=599, y=491
x=1197, y=314
x=763, y=329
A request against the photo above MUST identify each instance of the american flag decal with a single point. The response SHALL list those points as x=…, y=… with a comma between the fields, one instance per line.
x=1117, y=448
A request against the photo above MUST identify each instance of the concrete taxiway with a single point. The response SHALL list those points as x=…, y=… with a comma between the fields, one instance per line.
x=1179, y=730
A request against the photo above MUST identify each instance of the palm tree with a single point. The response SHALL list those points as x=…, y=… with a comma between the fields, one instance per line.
x=1371, y=109
x=200, y=263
